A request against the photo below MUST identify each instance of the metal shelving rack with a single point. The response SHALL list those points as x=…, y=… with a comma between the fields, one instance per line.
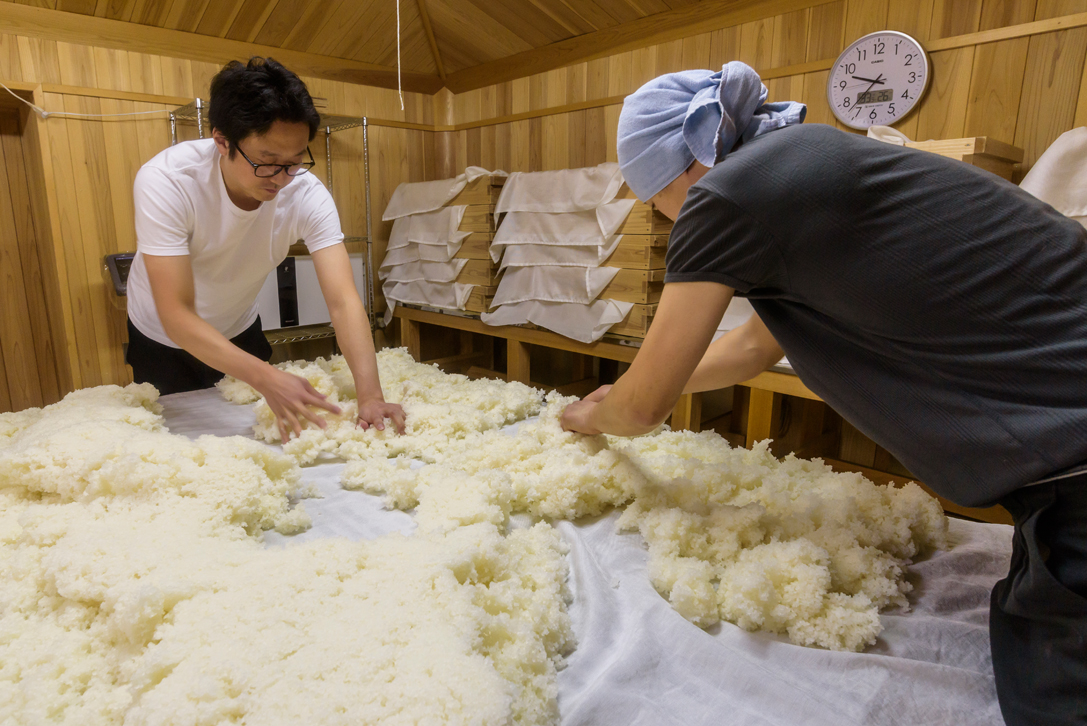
x=194, y=113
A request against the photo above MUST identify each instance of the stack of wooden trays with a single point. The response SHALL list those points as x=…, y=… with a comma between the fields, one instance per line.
x=640, y=255
x=479, y=219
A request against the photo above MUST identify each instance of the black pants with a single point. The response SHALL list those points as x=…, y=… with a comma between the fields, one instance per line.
x=1038, y=616
x=172, y=370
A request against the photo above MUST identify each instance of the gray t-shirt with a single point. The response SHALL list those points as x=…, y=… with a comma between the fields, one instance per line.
x=940, y=309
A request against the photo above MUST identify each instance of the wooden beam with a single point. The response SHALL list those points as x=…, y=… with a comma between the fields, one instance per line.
x=658, y=28
x=425, y=17
x=103, y=32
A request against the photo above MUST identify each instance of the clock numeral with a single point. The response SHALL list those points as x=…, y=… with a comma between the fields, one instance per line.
x=877, y=48
x=906, y=95
x=845, y=102
x=896, y=47
x=913, y=77
x=849, y=67
x=891, y=108
x=909, y=59
x=841, y=85
x=861, y=54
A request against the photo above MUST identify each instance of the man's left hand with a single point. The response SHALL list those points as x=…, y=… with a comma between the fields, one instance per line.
x=576, y=417
x=374, y=413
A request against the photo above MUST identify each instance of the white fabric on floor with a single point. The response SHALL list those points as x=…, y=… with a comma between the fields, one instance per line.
x=1059, y=177
x=553, y=284
x=430, y=271
x=560, y=256
x=590, y=227
x=564, y=190
x=417, y=197
x=639, y=663
x=581, y=322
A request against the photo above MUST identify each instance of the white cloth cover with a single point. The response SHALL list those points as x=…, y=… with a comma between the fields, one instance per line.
x=553, y=284
x=591, y=227
x=416, y=252
x=1059, y=177
x=451, y=295
x=560, y=256
x=417, y=197
x=638, y=663
x=425, y=271
x=888, y=135
x=430, y=228
x=584, y=323
x=565, y=190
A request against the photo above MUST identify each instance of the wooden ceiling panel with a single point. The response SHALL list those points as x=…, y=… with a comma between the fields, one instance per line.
x=302, y=37
x=592, y=12
x=567, y=18
x=217, y=17
x=375, y=27
x=378, y=43
x=250, y=19
x=185, y=15
x=338, y=24
x=467, y=36
x=285, y=17
x=151, y=12
x=524, y=20
x=83, y=7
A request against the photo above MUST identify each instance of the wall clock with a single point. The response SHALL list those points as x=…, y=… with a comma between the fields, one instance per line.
x=878, y=80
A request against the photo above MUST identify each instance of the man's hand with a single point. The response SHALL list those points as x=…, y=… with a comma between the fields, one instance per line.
x=290, y=397
x=374, y=412
x=598, y=395
x=577, y=415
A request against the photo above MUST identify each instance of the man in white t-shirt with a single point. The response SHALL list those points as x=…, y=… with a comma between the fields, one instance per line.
x=213, y=218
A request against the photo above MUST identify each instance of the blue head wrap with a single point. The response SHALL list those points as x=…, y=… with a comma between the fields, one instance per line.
x=677, y=118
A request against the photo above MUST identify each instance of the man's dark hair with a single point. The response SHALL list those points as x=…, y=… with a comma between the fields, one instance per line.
x=248, y=98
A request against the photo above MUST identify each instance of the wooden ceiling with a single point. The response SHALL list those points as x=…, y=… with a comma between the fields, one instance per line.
x=438, y=37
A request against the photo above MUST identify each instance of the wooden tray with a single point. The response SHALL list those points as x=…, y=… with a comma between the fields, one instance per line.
x=479, y=272
x=484, y=190
x=636, y=286
x=476, y=246
x=636, y=323
x=639, y=252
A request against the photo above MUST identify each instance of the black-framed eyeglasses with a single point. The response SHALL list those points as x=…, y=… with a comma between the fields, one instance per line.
x=265, y=171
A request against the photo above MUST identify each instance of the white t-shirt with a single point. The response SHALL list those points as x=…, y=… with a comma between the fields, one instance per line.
x=182, y=208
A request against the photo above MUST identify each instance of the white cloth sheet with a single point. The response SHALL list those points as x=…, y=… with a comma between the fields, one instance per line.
x=418, y=253
x=564, y=190
x=417, y=197
x=1059, y=177
x=559, y=256
x=590, y=227
x=639, y=663
x=586, y=323
x=553, y=284
x=424, y=271
x=449, y=295
x=430, y=228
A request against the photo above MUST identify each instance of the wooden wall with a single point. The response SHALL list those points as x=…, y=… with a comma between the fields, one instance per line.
x=1023, y=90
x=90, y=164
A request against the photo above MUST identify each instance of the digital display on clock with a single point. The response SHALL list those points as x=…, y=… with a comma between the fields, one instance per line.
x=879, y=96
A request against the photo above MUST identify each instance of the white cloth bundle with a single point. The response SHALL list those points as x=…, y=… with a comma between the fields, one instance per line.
x=417, y=197
x=559, y=256
x=429, y=271
x=565, y=190
x=1059, y=177
x=553, y=284
x=579, y=229
x=584, y=323
x=429, y=228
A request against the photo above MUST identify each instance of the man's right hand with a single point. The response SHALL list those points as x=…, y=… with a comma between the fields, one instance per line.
x=290, y=398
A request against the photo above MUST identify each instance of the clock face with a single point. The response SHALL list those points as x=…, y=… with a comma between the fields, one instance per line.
x=877, y=80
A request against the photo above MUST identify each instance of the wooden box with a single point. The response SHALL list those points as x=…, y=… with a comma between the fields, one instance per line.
x=479, y=272
x=476, y=246
x=484, y=190
x=989, y=154
x=636, y=323
x=479, y=301
x=639, y=252
x=636, y=286
x=478, y=218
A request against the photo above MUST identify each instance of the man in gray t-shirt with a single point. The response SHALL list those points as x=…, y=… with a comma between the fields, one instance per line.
x=941, y=310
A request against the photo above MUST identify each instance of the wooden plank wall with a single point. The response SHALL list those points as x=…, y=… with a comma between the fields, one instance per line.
x=1024, y=91
x=91, y=166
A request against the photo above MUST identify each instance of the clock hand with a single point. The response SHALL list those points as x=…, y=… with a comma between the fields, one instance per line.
x=870, y=80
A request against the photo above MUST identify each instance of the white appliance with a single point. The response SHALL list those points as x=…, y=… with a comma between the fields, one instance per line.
x=292, y=296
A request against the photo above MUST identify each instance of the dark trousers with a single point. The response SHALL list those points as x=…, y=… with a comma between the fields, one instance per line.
x=172, y=370
x=1038, y=617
